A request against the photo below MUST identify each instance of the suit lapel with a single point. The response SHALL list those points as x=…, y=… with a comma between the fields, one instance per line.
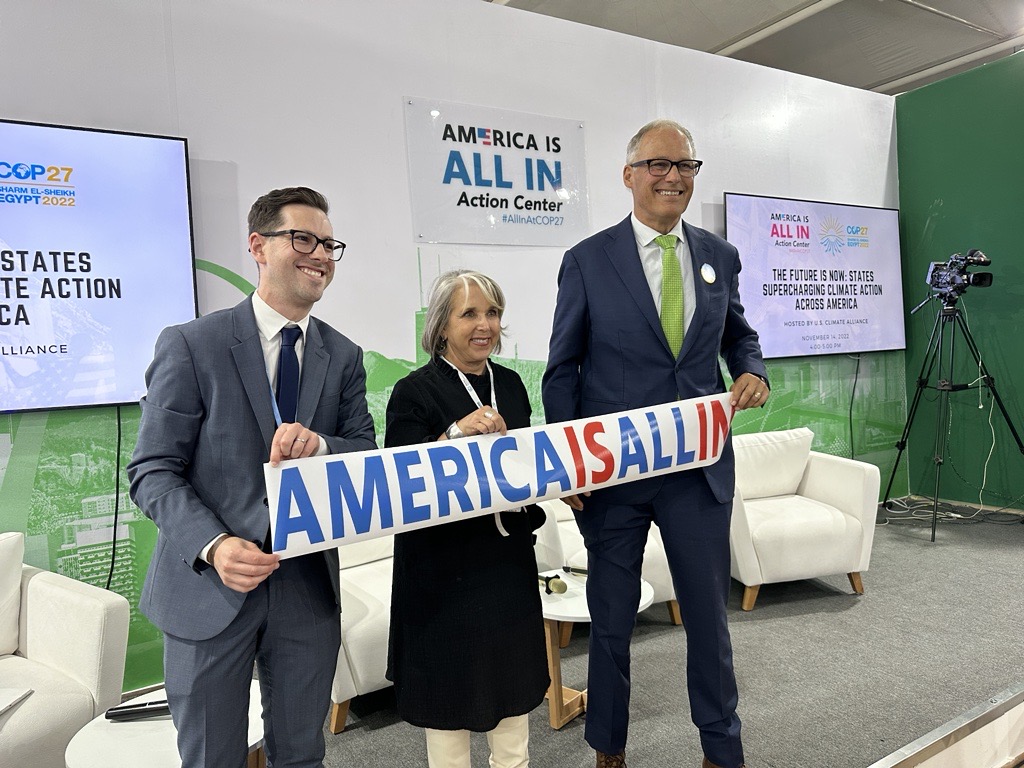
x=623, y=255
x=315, y=361
x=700, y=254
x=252, y=368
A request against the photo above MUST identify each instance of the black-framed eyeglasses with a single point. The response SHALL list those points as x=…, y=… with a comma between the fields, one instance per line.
x=307, y=242
x=661, y=166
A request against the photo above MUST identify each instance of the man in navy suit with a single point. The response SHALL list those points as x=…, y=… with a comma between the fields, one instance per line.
x=644, y=311
x=210, y=420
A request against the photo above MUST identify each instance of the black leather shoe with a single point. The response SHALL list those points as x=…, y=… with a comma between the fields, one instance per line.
x=611, y=761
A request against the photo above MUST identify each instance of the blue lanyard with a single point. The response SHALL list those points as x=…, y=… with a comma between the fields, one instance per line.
x=273, y=402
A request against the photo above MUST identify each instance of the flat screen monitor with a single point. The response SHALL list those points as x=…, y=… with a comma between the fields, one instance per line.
x=96, y=257
x=818, y=278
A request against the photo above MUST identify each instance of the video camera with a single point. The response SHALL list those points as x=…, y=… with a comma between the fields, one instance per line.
x=949, y=279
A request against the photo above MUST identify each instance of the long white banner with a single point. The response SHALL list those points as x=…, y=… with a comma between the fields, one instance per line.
x=328, y=501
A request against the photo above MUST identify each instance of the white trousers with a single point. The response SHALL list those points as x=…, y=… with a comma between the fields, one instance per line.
x=509, y=743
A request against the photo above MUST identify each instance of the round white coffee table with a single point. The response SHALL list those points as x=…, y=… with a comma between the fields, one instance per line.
x=569, y=607
x=151, y=742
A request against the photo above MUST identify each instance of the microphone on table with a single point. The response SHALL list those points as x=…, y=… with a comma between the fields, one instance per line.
x=552, y=584
x=138, y=711
x=573, y=569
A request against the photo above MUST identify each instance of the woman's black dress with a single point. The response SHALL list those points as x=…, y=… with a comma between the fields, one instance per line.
x=467, y=634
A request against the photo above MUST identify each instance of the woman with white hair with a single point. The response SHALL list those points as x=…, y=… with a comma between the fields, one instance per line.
x=466, y=650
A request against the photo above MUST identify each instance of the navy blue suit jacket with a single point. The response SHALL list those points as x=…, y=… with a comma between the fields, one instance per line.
x=207, y=423
x=608, y=351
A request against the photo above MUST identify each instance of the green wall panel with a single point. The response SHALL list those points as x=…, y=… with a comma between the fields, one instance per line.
x=960, y=170
x=59, y=489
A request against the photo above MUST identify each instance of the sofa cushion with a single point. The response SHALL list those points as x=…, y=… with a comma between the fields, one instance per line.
x=573, y=548
x=12, y=552
x=800, y=538
x=37, y=730
x=366, y=622
x=771, y=463
x=366, y=551
x=547, y=544
x=558, y=508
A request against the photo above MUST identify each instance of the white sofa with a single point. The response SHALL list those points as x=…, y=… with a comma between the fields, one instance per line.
x=799, y=514
x=365, y=623
x=66, y=641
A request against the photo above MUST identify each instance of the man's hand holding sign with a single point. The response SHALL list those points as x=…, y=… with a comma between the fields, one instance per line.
x=748, y=391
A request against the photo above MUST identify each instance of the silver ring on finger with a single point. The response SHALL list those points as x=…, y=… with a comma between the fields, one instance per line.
x=488, y=414
x=300, y=439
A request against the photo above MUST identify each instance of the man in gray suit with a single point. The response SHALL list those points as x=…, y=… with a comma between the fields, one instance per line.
x=210, y=420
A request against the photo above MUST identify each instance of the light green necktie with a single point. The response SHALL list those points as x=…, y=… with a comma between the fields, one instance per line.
x=671, y=293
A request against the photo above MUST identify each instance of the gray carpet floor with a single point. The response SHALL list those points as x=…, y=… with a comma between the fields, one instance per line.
x=827, y=679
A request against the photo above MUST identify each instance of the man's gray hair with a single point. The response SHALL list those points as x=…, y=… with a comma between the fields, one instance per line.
x=634, y=143
x=442, y=302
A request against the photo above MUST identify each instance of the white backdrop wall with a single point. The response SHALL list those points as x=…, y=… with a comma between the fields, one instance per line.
x=311, y=92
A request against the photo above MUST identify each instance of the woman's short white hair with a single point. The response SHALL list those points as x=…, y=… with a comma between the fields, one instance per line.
x=442, y=302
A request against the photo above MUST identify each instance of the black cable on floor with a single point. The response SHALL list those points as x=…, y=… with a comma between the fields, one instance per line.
x=853, y=394
x=117, y=497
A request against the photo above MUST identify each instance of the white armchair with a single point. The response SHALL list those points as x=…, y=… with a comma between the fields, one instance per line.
x=66, y=641
x=799, y=514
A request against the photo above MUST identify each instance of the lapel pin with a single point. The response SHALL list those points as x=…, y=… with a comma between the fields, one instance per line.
x=708, y=273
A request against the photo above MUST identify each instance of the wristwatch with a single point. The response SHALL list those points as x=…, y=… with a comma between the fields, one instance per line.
x=453, y=432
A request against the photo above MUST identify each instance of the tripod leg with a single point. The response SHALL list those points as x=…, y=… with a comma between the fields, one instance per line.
x=987, y=378
x=941, y=430
x=922, y=382
x=941, y=419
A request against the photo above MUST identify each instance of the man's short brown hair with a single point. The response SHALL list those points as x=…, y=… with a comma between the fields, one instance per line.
x=265, y=214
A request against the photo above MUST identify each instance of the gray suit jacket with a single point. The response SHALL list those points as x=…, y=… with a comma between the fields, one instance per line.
x=197, y=471
x=608, y=351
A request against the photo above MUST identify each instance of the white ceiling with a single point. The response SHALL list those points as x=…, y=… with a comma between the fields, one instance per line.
x=888, y=46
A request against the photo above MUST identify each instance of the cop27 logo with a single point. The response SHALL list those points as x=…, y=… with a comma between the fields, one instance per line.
x=831, y=235
x=32, y=172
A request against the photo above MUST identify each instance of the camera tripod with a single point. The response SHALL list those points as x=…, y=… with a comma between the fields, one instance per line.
x=940, y=350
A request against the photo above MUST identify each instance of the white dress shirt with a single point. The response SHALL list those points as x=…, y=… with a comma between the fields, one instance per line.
x=270, y=322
